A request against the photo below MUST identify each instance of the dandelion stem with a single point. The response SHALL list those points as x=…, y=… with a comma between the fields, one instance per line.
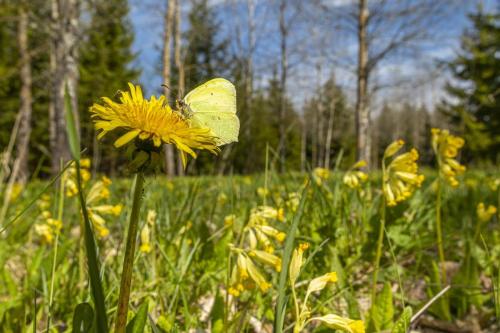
x=128, y=261
x=378, y=254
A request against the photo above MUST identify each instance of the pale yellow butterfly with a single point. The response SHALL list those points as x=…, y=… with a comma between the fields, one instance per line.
x=213, y=105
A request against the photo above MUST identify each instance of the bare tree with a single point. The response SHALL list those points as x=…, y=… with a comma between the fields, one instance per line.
x=64, y=71
x=22, y=151
x=167, y=51
x=284, y=29
x=362, y=110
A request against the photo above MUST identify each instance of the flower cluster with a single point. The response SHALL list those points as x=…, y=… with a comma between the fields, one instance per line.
x=153, y=122
x=400, y=175
x=354, y=177
x=98, y=192
x=49, y=227
x=146, y=231
x=70, y=182
x=485, y=213
x=320, y=175
x=258, y=248
x=446, y=147
x=317, y=284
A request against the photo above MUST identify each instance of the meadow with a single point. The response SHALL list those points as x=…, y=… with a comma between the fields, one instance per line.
x=194, y=232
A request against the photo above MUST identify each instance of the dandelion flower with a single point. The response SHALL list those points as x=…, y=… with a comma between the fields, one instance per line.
x=151, y=121
x=400, y=176
x=446, y=147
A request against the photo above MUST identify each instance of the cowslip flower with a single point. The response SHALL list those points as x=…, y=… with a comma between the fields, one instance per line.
x=355, y=177
x=296, y=262
x=320, y=174
x=244, y=273
x=304, y=315
x=70, y=177
x=485, y=213
x=446, y=147
x=340, y=323
x=153, y=122
x=400, y=176
x=145, y=239
x=98, y=192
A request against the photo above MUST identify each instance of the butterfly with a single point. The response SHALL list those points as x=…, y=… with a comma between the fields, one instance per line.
x=213, y=105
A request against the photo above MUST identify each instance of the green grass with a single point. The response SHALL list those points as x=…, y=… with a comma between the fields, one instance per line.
x=183, y=280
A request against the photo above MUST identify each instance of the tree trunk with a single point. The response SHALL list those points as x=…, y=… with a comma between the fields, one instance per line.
x=22, y=151
x=284, y=67
x=167, y=51
x=362, y=110
x=303, y=145
x=329, y=130
x=63, y=64
x=180, y=67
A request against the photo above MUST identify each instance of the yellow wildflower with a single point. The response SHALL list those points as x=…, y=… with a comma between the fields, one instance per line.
x=266, y=258
x=446, y=147
x=221, y=198
x=485, y=214
x=45, y=231
x=152, y=121
x=262, y=192
x=229, y=220
x=293, y=201
x=400, y=177
x=296, y=262
x=145, y=241
x=151, y=217
x=320, y=282
x=354, y=177
x=320, y=174
x=340, y=323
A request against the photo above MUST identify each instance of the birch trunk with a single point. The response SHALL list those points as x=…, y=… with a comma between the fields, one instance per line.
x=64, y=68
x=362, y=110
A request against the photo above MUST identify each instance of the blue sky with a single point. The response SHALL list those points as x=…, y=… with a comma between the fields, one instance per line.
x=307, y=37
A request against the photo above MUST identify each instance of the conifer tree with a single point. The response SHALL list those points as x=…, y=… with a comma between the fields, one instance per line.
x=105, y=64
x=474, y=101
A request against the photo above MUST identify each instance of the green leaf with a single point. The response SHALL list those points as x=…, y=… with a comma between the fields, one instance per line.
x=287, y=254
x=383, y=310
x=137, y=324
x=402, y=325
x=83, y=318
x=92, y=260
x=73, y=137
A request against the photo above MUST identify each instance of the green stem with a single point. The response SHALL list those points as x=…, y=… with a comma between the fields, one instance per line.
x=378, y=254
x=297, y=313
x=439, y=232
x=128, y=261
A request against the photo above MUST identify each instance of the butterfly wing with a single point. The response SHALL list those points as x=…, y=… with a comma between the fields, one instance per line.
x=213, y=105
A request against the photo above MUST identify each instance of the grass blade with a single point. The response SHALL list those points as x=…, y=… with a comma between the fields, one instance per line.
x=287, y=254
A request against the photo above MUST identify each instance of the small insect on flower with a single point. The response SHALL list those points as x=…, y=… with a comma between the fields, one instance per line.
x=151, y=121
x=446, y=147
x=400, y=176
x=485, y=214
